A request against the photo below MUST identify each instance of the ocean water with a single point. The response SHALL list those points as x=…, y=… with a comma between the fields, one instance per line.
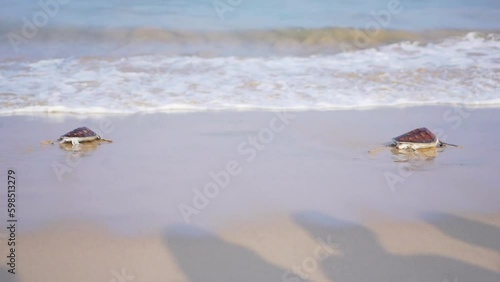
x=149, y=56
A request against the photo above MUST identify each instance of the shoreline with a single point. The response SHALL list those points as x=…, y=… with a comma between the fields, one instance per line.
x=61, y=113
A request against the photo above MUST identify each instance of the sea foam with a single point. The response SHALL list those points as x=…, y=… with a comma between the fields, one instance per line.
x=458, y=70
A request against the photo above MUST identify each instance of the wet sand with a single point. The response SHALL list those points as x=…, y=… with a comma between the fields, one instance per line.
x=255, y=196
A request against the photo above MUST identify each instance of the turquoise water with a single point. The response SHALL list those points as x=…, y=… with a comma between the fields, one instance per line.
x=224, y=14
x=69, y=28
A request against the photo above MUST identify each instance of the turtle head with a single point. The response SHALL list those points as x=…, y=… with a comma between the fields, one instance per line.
x=439, y=143
x=443, y=144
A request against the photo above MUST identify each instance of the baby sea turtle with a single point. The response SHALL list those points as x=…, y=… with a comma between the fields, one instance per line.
x=81, y=134
x=420, y=138
x=417, y=139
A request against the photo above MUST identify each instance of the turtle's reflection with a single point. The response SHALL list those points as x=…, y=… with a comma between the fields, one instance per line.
x=415, y=156
x=80, y=150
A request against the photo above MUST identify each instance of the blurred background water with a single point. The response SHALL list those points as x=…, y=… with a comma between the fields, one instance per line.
x=148, y=56
x=260, y=14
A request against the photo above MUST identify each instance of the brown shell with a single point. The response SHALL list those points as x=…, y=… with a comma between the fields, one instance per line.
x=419, y=135
x=80, y=132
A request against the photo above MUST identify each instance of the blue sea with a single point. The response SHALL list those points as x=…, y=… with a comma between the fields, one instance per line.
x=127, y=57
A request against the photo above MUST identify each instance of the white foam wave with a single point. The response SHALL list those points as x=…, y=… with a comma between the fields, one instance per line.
x=463, y=71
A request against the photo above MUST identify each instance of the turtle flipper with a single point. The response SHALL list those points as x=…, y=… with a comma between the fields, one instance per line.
x=379, y=149
x=47, y=142
x=105, y=140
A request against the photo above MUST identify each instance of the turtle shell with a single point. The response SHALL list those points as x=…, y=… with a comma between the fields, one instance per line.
x=419, y=135
x=80, y=132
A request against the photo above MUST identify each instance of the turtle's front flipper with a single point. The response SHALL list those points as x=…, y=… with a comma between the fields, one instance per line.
x=75, y=142
x=105, y=140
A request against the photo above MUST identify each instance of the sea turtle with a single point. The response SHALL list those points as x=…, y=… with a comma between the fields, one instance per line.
x=417, y=139
x=420, y=138
x=81, y=134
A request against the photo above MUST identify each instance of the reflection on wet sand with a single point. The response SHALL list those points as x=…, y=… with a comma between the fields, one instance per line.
x=415, y=156
x=81, y=149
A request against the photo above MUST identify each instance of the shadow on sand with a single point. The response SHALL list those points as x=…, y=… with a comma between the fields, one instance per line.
x=466, y=230
x=206, y=258
x=364, y=259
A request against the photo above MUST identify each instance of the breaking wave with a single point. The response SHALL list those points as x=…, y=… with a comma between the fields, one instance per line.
x=461, y=69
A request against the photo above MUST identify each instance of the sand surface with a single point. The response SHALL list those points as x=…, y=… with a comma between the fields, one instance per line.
x=255, y=196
